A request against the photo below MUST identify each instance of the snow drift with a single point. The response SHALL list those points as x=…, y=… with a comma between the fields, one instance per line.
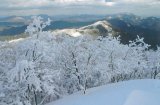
x=135, y=92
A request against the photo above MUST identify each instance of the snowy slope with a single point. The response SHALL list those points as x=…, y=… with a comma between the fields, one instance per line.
x=100, y=28
x=139, y=97
x=136, y=92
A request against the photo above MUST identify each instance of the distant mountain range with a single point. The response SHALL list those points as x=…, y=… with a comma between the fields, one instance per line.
x=128, y=26
x=14, y=25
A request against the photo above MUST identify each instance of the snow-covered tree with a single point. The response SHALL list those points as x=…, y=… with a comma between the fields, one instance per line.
x=48, y=65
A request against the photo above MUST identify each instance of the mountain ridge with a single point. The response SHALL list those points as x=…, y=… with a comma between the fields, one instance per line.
x=128, y=26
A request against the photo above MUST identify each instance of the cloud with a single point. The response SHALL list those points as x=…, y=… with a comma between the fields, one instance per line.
x=12, y=7
x=45, y=3
x=41, y=3
x=28, y=3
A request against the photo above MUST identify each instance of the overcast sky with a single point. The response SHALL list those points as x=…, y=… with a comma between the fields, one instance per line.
x=70, y=7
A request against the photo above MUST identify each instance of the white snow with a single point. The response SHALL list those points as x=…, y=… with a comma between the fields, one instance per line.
x=71, y=32
x=2, y=95
x=16, y=40
x=135, y=92
x=139, y=97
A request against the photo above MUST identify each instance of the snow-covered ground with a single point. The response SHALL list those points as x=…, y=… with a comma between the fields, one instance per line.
x=135, y=92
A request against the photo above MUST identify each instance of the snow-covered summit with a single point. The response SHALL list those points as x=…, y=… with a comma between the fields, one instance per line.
x=99, y=23
x=100, y=28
